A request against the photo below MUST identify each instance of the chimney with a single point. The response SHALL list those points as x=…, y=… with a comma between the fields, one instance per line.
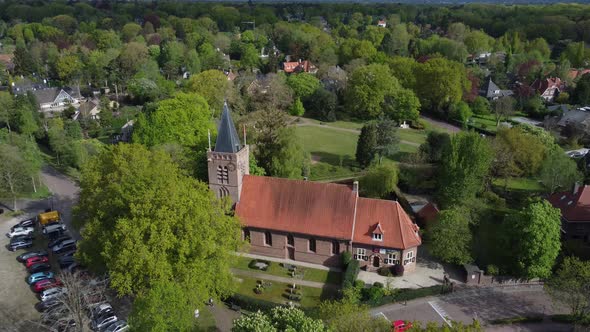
x=355, y=187
x=576, y=188
x=299, y=60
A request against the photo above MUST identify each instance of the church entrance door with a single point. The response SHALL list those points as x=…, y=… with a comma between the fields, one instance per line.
x=291, y=253
x=376, y=261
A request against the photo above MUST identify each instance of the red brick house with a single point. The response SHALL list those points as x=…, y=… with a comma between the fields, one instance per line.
x=299, y=67
x=309, y=221
x=575, y=212
x=548, y=88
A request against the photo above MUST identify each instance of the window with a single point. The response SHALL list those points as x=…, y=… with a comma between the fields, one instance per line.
x=335, y=248
x=361, y=254
x=290, y=240
x=391, y=259
x=223, y=191
x=268, y=239
x=222, y=175
x=247, y=235
x=409, y=258
x=377, y=237
x=312, y=245
x=409, y=255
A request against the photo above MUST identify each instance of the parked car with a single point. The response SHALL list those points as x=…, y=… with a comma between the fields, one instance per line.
x=20, y=231
x=100, y=309
x=118, y=326
x=20, y=243
x=65, y=261
x=52, y=293
x=57, y=241
x=65, y=325
x=24, y=223
x=64, y=246
x=44, y=284
x=103, y=321
x=33, y=278
x=47, y=304
x=39, y=267
x=53, y=227
x=35, y=260
x=69, y=253
x=401, y=326
x=21, y=237
x=29, y=254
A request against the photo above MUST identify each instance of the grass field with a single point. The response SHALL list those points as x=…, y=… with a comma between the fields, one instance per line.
x=277, y=292
x=520, y=184
x=308, y=273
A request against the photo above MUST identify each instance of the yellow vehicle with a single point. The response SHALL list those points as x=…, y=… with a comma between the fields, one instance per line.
x=48, y=217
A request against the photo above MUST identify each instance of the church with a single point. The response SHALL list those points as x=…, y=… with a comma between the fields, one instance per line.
x=308, y=221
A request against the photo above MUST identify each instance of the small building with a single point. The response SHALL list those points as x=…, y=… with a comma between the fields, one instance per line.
x=57, y=99
x=473, y=274
x=126, y=131
x=548, y=88
x=299, y=67
x=575, y=74
x=87, y=110
x=427, y=214
x=577, y=116
x=382, y=24
x=492, y=92
x=575, y=211
x=7, y=61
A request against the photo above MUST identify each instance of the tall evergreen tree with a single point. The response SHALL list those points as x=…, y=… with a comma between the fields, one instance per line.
x=365, y=147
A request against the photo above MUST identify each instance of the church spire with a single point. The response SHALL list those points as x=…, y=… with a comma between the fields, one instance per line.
x=227, y=136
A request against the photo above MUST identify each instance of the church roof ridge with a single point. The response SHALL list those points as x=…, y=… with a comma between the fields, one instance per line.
x=227, y=136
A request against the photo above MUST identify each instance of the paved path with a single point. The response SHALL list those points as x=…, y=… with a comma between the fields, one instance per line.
x=304, y=122
x=266, y=276
x=443, y=124
x=224, y=317
x=65, y=195
x=292, y=262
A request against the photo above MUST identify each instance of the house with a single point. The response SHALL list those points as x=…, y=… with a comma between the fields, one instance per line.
x=427, y=214
x=382, y=24
x=575, y=74
x=87, y=110
x=308, y=221
x=334, y=79
x=50, y=99
x=548, y=88
x=299, y=67
x=575, y=212
x=578, y=116
x=7, y=61
x=492, y=92
x=126, y=131
x=230, y=75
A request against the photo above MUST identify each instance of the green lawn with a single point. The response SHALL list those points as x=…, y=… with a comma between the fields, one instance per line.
x=205, y=322
x=486, y=122
x=277, y=292
x=520, y=184
x=308, y=274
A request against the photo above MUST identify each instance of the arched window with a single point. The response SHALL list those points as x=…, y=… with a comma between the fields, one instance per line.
x=222, y=174
x=290, y=240
x=312, y=245
x=223, y=191
x=268, y=238
x=247, y=235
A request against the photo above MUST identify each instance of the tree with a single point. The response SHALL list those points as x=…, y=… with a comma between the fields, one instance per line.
x=303, y=84
x=348, y=315
x=536, y=233
x=297, y=108
x=288, y=157
x=365, y=146
x=171, y=58
x=503, y=107
x=6, y=109
x=191, y=246
x=212, y=85
x=450, y=237
x=184, y=119
x=570, y=285
x=130, y=30
x=380, y=180
x=461, y=112
x=480, y=106
x=558, y=170
x=387, y=140
x=402, y=106
x=322, y=105
x=271, y=93
x=581, y=94
x=478, y=42
x=465, y=163
x=250, y=57
x=13, y=172
x=280, y=319
x=434, y=146
x=440, y=83
x=518, y=153
x=367, y=88
x=166, y=306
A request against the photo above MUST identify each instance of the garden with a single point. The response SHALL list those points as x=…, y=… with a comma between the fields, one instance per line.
x=289, y=271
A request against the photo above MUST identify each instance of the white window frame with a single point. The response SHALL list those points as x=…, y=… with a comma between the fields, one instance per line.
x=361, y=253
x=391, y=259
x=409, y=258
x=377, y=237
x=410, y=255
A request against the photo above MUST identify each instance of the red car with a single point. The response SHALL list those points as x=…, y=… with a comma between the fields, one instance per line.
x=400, y=326
x=46, y=284
x=35, y=260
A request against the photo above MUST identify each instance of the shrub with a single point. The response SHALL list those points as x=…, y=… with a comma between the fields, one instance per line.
x=398, y=270
x=345, y=258
x=374, y=294
x=251, y=304
x=518, y=320
x=385, y=271
x=359, y=284
x=492, y=270
x=350, y=274
x=378, y=284
x=417, y=124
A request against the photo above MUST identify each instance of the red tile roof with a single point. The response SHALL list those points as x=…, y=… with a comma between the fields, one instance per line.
x=575, y=73
x=398, y=229
x=313, y=208
x=428, y=213
x=574, y=206
x=542, y=85
x=323, y=210
x=298, y=66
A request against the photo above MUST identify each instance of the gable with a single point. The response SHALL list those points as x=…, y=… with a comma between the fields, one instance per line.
x=63, y=97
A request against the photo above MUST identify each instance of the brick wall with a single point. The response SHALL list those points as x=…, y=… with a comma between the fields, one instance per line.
x=371, y=255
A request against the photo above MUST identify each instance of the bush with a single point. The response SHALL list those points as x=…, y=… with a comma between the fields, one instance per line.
x=398, y=270
x=378, y=284
x=345, y=258
x=519, y=319
x=492, y=270
x=251, y=304
x=359, y=284
x=385, y=271
x=350, y=274
x=417, y=124
x=373, y=294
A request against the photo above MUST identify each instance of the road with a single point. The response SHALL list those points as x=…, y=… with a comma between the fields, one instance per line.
x=65, y=194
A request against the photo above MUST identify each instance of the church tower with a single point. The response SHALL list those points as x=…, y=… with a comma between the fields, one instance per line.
x=230, y=160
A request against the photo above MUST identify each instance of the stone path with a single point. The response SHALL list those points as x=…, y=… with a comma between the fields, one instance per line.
x=292, y=262
x=224, y=317
x=265, y=276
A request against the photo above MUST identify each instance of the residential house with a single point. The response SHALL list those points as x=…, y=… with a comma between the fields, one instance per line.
x=88, y=110
x=299, y=67
x=575, y=74
x=7, y=61
x=548, y=88
x=578, y=116
x=427, y=214
x=382, y=24
x=50, y=99
x=575, y=212
x=126, y=132
x=492, y=92
x=308, y=221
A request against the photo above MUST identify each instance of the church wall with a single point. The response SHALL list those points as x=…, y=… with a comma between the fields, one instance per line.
x=372, y=252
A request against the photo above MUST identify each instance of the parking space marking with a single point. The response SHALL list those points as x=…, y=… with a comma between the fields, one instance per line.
x=382, y=314
x=440, y=311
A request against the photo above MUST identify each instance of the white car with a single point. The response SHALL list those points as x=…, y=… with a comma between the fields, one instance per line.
x=52, y=293
x=54, y=228
x=118, y=326
x=21, y=231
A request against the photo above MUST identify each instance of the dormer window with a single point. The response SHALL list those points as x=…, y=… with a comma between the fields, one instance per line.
x=377, y=237
x=377, y=233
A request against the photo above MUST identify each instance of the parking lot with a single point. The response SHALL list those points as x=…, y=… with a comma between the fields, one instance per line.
x=17, y=301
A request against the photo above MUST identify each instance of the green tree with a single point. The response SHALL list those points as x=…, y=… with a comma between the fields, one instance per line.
x=570, y=285
x=536, y=233
x=69, y=67
x=212, y=85
x=402, y=106
x=255, y=322
x=558, y=170
x=280, y=319
x=478, y=41
x=367, y=88
x=461, y=112
x=387, y=139
x=171, y=58
x=6, y=109
x=440, y=83
x=297, y=108
x=288, y=158
x=14, y=175
x=134, y=236
x=348, y=315
x=465, y=163
x=166, y=306
x=365, y=147
x=434, y=146
x=130, y=30
x=184, y=119
x=480, y=106
x=322, y=105
x=581, y=94
x=303, y=84
x=518, y=153
x=249, y=58
x=503, y=107
x=450, y=237
x=379, y=180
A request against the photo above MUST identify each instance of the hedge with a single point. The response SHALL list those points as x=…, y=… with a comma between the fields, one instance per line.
x=250, y=303
x=518, y=319
x=571, y=319
x=350, y=274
